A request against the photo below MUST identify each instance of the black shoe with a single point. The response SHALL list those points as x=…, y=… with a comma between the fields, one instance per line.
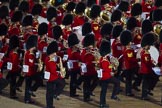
x=78, y=88
x=150, y=93
x=13, y=97
x=145, y=98
x=115, y=98
x=18, y=89
x=56, y=97
x=75, y=95
x=32, y=94
x=104, y=106
x=130, y=94
x=136, y=88
x=87, y=100
x=92, y=94
x=29, y=102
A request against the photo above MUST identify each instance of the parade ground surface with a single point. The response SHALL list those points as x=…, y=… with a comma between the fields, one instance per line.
x=68, y=102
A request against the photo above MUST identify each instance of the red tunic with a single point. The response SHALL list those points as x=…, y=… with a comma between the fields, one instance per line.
x=1, y=63
x=14, y=29
x=129, y=59
x=106, y=68
x=79, y=20
x=146, y=63
x=75, y=57
x=30, y=60
x=117, y=49
x=66, y=33
x=88, y=60
x=14, y=59
x=51, y=67
x=42, y=46
x=96, y=30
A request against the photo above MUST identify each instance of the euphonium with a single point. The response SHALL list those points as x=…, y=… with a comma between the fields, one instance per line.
x=157, y=29
x=114, y=61
x=62, y=69
x=105, y=16
x=52, y=2
x=87, y=13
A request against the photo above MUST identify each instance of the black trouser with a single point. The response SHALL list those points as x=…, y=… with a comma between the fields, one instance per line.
x=104, y=85
x=129, y=77
x=53, y=88
x=73, y=81
x=3, y=83
x=137, y=78
x=149, y=82
x=13, y=77
x=90, y=83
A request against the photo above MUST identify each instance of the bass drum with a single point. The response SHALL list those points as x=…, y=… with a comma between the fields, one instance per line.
x=154, y=54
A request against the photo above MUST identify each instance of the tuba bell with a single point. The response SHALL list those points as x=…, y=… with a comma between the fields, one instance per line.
x=87, y=12
x=52, y=2
x=105, y=16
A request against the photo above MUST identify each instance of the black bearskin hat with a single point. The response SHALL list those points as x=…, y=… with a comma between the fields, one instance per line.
x=3, y=29
x=86, y=28
x=148, y=39
x=116, y=31
x=51, y=13
x=14, y=42
x=131, y=23
x=136, y=9
x=103, y=2
x=89, y=39
x=17, y=16
x=106, y=29
x=67, y=20
x=80, y=8
x=4, y=12
x=32, y=41
x=125, y=37
x=70, y=6
x=158, y=3
x=116, y=15
x=42, y=28
x=90, y=3
x=57, y=32
x=123, y=6
x=156, y=15
x=95, y=11
x=36, y=10
x=27, y=21
x=24, y=6
x=146, y=26
x=52, y=48
x=105, y=48
x=72, y=40
x=13, y=4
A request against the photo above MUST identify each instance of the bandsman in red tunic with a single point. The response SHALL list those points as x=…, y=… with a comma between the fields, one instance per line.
x=136, y=12
x=89, y=60
x=130, y=63
x=15, y=26
x=107, y=74
x=51, y=17
x=55, y=85
x=4, y=16
x=95, y=23
x=73, y=62
x=30, y=68
x=67, y=22
x=36, y=12
x=117, y=48
x=13, y=6
x=148, y=76
x=116, y=17
x=13, y=64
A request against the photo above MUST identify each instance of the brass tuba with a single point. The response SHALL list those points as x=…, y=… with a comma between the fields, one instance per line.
x=52, y=2
x=87, y=12
x=105, y=16
x=157, y=29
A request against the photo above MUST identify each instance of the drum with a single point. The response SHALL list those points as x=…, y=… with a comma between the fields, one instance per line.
x=154, y=54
